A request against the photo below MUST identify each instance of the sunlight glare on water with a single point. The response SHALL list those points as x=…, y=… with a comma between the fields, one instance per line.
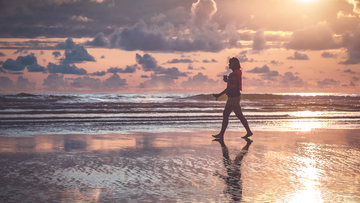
x=307, y=125
x=306, y=113
x=307, y=175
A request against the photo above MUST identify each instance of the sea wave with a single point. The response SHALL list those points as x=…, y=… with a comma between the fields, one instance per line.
x=243, y=97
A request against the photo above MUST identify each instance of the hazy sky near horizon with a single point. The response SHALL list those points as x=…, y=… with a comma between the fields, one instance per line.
x=68, y=46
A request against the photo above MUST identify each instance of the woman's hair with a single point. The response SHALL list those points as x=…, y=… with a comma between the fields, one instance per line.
x=236, y=62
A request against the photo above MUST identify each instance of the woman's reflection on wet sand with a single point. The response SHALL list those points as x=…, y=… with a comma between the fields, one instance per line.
x=233, y=168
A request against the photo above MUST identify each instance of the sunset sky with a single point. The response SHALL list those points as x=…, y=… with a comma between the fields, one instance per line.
x=178, y=46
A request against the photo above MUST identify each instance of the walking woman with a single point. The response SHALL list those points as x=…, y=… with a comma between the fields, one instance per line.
x=234, y=86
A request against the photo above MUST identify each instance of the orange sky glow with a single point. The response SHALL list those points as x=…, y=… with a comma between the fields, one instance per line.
x=183, y=47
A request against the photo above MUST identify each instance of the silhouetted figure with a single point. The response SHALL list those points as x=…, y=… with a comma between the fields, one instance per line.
x=233, y=168
x=234, y=85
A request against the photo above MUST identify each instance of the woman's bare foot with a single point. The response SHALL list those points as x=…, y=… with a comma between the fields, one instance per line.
x=249, y=134
x=248, y=140
x=218, y=136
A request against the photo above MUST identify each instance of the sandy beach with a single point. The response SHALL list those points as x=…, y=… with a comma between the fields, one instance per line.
x=174, y=166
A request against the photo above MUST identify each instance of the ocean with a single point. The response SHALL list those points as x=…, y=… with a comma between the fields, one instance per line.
x=159, y=148
x=26, y=114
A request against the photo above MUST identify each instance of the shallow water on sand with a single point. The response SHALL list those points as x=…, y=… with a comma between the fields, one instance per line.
x=321, y=166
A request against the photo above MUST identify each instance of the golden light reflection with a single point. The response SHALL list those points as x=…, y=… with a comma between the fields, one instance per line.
x=307, y=125
x=110, y=144
x=306, y=113
x=54, y=143
x=308, y=94
x=308, y=175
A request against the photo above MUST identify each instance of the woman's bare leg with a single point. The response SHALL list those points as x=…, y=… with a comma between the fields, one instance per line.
x=243, y=152
x=243, y=120
x=227, y=110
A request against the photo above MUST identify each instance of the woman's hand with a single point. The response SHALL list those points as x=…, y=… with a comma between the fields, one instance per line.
x=216, y=96
x=225, y=78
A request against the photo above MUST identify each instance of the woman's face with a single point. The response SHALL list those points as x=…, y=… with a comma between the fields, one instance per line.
x=231, y=65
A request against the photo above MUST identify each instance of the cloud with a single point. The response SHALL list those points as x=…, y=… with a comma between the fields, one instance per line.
x=226, y=72
x=24, y=84
x=355, y=79
x=68, y=44
x=140, y=37
x=270, y=75
x=352, y=42
x=199, y=81
x=55, y=82
x=77, y=55
x=274, y=62
x=81, y=18
x=114, y=82
x=349, y=71
x=2, y=54
x=253, y=82
x=13, y=65
x=298, y=56
x=266, y=73
x=20, y=63
x=27, y=60
x=56, y=54
x=243, y=59
x=36, y=68
x=264, y=69
x=5, y=83
x=351, y=84
x=328, y=82
x=86, y=82
x=98, y=41
x=128, y=69
x=233, y=36
x=202, y=11
x=273, y=80
x=341, y=14
x=144, y=76
x=158, y=82
x=97, y=73
x=180, y=61
x=159, y=18
x=20, y=50
x=190, y=67
x=328, y=55
x=2, y=70
x=147, y=62
x=169, y=36
x=209, y=61
x=289, y=80
x=316, y=37
x=259, y=42
x=173, y=72
x=353, y=58
x=356, y=4
x=65, y=69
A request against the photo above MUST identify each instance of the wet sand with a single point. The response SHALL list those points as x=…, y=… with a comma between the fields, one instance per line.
x=315, y=166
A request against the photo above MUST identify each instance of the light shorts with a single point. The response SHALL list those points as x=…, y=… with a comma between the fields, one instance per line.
x=233, y=101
